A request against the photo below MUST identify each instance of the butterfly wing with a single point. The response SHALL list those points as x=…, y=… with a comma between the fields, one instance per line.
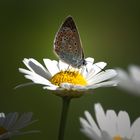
x=67, y=44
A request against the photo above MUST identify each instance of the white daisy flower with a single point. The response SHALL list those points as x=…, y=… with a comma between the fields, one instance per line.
x=11, y=123
x=130, y=81
x=60, y=76
x=110, y=126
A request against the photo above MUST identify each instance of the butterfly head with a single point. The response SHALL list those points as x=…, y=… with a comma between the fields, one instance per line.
x=83, y=62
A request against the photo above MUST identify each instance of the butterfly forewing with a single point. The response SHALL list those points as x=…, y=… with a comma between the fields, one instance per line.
x=67, y=44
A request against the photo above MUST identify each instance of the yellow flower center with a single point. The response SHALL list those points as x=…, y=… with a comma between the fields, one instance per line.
x=2, y=130
x=117, y=138
x=73, y=77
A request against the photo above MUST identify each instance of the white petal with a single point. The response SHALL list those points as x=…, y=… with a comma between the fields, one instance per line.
x=88, y=130
x=35, y=66
x=135, y=73
x=52, y=66
x=122, y=76
x=2, y=115
x=111, y=121
x=95, y=69
x=34, y=77
x=128, y=83
x=10, y=120
x=123, y=124
x=84, y=123
x=26, y=61
x=62, y=65
x=92, y=123
x=79, y=88
x=39, y=69
x=67, y=86
x=103, y=84
x=99, y=65
x=103, y=76
x=135, y=130
x=100, y=115
x=105, y=136
x=106, y=122
x=89, y=68
x=70, y=86
x=89, y=60
x=2, y=119
x=91, y=134
x=50, y=87
x=38, y=79
x=25, y=71
x=84, y=72
x=23, y=121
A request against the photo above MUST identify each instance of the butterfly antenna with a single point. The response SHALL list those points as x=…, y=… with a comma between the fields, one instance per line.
x=100, y=68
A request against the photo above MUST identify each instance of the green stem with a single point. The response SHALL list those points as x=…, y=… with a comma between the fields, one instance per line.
x=64, y=113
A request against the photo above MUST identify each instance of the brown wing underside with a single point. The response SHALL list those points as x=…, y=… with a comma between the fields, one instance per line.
x=67, y=42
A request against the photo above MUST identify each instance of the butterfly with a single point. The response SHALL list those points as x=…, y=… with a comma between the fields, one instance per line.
x=67, y=44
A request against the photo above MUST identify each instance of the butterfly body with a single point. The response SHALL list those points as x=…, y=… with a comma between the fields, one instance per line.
x=67, y=45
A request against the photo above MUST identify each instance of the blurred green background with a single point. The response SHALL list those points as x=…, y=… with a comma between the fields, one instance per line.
x=110, y=32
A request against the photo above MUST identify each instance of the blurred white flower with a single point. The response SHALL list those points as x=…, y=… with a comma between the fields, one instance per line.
x=11, y=123
x=130, y=81
x=58, y=76
x=110, y=126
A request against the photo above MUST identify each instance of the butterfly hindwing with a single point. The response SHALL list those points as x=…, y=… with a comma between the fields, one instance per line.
x=67, y=44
